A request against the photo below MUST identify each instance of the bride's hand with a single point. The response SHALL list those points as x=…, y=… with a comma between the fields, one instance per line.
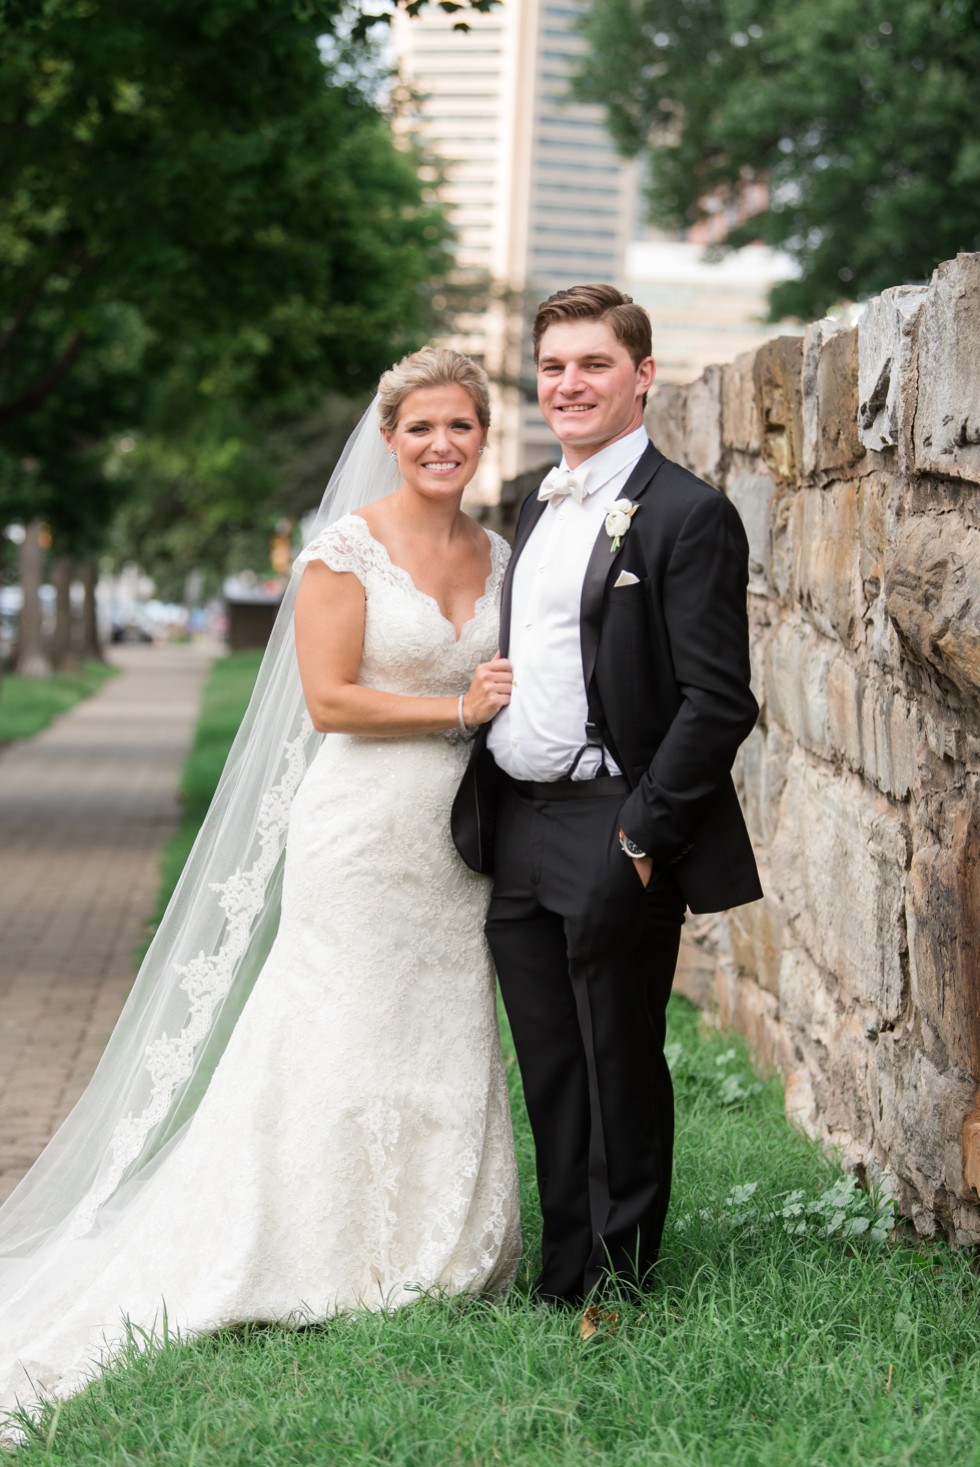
x=488, y=692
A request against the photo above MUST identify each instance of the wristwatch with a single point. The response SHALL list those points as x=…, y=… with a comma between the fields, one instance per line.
x=630, y=847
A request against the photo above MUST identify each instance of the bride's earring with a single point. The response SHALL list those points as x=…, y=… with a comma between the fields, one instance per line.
x=482, y=449
x=393, y=454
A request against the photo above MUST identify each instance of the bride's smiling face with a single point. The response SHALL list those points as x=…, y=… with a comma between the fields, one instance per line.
x=437, y=439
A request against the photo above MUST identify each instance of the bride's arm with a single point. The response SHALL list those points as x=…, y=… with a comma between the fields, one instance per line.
x=329, y=626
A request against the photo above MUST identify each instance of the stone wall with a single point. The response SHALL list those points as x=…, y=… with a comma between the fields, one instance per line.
x=853, y=456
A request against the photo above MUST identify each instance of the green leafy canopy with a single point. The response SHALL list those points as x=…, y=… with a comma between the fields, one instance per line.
x=203, y=219
x=858, y=115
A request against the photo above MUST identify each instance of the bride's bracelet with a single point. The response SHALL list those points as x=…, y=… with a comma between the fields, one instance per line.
x=463, y=725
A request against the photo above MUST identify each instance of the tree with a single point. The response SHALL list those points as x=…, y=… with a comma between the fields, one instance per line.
x=203, y=218
x=199, y=164
x=858, y=115
x=56, y=478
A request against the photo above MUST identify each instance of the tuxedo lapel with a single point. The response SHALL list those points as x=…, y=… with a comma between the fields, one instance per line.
x=602, y=561
x=526, y=524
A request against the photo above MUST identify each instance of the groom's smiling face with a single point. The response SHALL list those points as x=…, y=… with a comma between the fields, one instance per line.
x=589, y=388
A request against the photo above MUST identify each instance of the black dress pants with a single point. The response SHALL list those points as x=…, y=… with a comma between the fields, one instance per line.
x=586, y=956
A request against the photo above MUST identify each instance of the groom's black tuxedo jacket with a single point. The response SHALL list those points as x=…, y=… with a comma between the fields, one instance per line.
x=667, y=658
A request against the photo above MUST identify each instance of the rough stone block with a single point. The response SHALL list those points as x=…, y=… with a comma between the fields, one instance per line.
x=946, y=436
x=800, y=1102
x=887, y=383
x=878, y=499
x=965, y=1220
x=741, y=424
x=703, y=437
x=827, y=1086
x=781, y=523
x=943, y=735
x=881, y=509
x=751, y=493
x=970, y=1140
x=848, y=1116
x=845, y=708
x=831, y=444
x=666, y=421
x=890, y=739
x=694, y=977
x=824, y=530
x=932, y=594
x=875, y=729
x=804, y=999
x=838, y=864
x=758, y=936
x=881, y=640
x=762, y=766
x=751, y=1011
x=943, y=913
x=920, y=1114
x=797, y=667
x=840, y=711
x=777, y=371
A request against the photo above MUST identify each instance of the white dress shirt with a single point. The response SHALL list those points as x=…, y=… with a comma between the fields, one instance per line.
x=537, y=736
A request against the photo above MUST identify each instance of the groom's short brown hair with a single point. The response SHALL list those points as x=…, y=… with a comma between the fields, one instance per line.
x=630, y=322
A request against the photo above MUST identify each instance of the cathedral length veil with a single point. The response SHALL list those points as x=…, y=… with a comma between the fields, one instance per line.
x=205, y=957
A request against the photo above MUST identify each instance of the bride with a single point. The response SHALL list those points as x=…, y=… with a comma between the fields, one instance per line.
x=290, y=1123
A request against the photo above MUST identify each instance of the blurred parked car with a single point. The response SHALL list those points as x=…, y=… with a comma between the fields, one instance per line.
x=8, y=636
x=132, y=630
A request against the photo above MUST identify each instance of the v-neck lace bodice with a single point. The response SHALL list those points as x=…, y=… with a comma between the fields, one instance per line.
x=410, y=646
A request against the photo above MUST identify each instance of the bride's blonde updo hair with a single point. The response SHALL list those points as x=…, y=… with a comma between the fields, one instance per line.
x=433, y=366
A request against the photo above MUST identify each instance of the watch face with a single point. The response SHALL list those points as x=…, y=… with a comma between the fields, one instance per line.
x=630, y=847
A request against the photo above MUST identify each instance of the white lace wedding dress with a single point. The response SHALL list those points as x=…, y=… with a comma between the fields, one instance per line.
x=354, y=1145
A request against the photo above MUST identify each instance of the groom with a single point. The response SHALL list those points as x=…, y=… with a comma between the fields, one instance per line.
x=601, y=796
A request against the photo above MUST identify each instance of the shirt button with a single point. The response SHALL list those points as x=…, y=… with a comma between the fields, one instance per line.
x=513, y=743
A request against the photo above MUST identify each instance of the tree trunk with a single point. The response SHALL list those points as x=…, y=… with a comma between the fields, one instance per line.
x=60, y=649
x=32, y=660
x=90, y=648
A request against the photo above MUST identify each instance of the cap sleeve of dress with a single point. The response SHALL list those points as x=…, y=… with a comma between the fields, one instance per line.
x=346, y=545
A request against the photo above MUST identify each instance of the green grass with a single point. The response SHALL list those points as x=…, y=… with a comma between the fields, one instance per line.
x=28, y=705
x=755, y=1347
x=778, y=1331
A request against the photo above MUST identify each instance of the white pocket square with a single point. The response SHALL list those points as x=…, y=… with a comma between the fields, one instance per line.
x=626, y=578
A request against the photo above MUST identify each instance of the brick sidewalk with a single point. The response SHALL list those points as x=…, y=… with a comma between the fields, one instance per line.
x=85, y=811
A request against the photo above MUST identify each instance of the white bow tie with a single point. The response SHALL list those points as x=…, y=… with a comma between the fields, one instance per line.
x=560, y=482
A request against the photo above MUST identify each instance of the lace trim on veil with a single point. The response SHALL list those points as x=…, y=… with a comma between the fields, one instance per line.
x=206, y=980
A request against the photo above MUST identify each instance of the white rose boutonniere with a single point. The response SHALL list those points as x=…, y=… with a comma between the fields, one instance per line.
x=618, y=522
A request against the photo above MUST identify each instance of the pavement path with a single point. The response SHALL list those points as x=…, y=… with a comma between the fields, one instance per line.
x=86, y=808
